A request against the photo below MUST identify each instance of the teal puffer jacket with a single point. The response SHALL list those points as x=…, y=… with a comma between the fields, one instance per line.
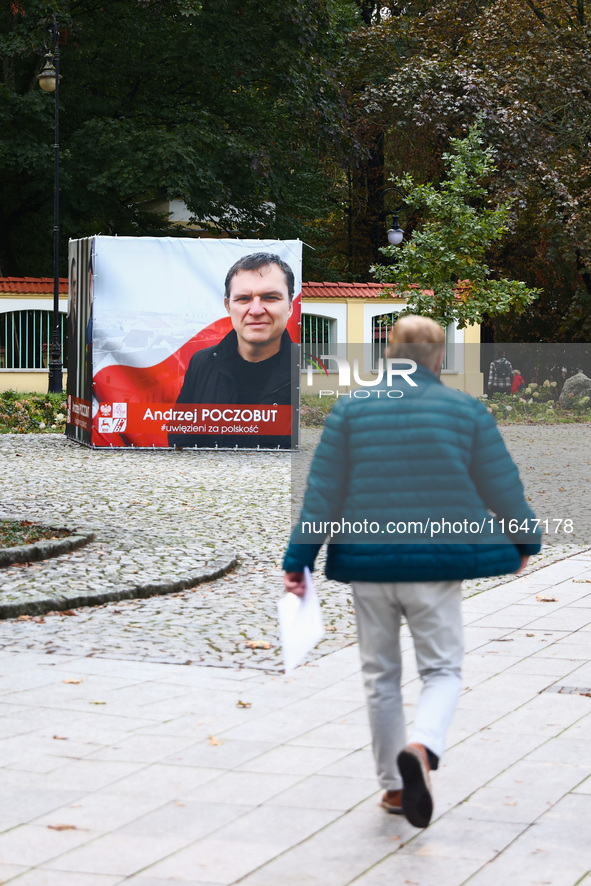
x=410, y=486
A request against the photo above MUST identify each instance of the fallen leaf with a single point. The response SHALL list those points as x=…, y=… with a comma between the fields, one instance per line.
x=331, y=628
x=68, y=612
x=530, y=635
x=62, y=827
x=60, y=738
x=74, y=680
x=258, y=644
x=544, y=599
x=97, y=702
x=243, y=704
x=214, y=742
x=582, y=581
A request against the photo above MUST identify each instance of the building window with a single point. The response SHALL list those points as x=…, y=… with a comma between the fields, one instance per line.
x=25, y=339
x=381, y=325
x=317, y=336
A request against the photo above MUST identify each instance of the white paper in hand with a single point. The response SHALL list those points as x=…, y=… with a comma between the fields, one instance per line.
x=300, y=624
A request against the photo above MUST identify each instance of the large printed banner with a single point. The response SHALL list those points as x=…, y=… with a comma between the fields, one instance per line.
x=184, y=343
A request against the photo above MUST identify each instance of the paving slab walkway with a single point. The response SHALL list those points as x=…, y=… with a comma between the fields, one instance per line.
x=153, y=774
x=144, y=742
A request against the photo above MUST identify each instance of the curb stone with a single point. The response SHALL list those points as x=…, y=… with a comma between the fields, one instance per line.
x=42, y=605
x=43, y=550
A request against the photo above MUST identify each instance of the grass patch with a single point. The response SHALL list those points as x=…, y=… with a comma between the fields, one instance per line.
x=314, y=410
x=23, y=532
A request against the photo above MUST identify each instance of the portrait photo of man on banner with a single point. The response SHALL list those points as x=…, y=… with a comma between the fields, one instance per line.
x=195, y=343
x=253, y=363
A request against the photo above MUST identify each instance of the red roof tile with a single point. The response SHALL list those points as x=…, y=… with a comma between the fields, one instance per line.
x=346, y=290
x=25, y=285
x=369, y=290
x=32, y=284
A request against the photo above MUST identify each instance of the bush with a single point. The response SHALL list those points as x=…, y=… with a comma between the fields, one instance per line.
x=523, y=408
x=32, y=413
x=537, y=403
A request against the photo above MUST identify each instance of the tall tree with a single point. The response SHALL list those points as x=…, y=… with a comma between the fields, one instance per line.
x=442, y=268
x=524, y=67
x=231, y=106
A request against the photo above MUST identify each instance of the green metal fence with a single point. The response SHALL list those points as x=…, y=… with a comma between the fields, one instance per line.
x=316, y=337
x=25, y=339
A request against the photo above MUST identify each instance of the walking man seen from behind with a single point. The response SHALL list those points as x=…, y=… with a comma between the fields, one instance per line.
x=425, y=470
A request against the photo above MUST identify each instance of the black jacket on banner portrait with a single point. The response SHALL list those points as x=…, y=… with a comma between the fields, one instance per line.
x=211, y=378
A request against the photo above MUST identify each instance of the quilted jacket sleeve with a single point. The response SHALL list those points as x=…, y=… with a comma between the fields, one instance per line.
x=497, y=479
x=325, y=492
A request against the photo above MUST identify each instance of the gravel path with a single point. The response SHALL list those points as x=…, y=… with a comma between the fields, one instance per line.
x=160, y=515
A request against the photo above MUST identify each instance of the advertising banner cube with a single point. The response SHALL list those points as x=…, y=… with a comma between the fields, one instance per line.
x=184, y=343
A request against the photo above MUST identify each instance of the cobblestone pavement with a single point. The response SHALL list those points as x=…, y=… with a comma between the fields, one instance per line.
x=159, y=515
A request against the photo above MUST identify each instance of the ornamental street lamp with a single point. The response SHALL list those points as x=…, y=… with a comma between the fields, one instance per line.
x=49, y=81
x=395, y=234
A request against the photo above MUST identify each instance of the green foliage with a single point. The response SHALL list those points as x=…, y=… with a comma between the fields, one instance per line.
x=229, y=105
x=442, y=268
x=32, y=413
x=525, y=408
x=538, y=404
x=522, y=66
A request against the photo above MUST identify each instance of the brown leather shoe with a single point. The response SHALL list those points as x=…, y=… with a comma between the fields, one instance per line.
x=392, y=802
x=417, y=800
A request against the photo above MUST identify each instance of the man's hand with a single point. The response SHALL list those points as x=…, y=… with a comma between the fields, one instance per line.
x=524, y=562
x=294, y=583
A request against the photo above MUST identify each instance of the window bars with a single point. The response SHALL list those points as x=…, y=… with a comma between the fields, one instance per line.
x=381, y=325
x=25, y=339
x=316, y=337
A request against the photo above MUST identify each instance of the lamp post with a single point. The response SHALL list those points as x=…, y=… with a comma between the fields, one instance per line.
x=395, y=233
x=49, y=81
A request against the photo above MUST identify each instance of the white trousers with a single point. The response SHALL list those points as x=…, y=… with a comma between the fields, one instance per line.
x=433, y=613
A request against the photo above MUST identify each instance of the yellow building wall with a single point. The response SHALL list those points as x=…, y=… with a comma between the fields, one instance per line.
x=469, y=379
x=27, y=381
x=355, y=317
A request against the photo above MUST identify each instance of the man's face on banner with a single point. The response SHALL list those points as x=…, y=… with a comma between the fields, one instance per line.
x=259, y=308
